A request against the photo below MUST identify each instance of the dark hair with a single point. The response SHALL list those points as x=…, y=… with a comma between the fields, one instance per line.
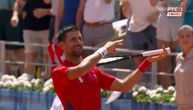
x=62, y=33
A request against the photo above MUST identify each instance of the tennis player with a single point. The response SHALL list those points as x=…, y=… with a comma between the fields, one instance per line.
x=78, y=82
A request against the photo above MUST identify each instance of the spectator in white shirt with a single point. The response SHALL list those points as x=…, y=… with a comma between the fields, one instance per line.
x=95, y=17
x=142, y=25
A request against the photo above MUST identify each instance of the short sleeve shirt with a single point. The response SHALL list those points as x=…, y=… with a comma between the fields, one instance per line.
x=141, y=9
x=82, y=93
x=98, y=10
x=30, y=22
x=184, y=76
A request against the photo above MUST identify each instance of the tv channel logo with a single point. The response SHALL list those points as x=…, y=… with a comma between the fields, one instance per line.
x=171, y=11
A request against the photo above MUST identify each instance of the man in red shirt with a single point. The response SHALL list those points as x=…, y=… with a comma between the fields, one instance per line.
x=78, y=81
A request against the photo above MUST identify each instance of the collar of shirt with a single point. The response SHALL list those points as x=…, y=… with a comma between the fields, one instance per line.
x=68, y=63
x=190, y=55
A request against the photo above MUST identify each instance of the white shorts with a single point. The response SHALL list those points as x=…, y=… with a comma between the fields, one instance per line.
x=168, y=32
x=31, y=37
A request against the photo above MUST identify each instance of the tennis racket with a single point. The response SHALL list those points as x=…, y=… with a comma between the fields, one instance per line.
x=113, y=59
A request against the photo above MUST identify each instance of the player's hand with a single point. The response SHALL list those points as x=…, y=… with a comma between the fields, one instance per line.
x=159, y=57
x=112, y=45
x=14, y=21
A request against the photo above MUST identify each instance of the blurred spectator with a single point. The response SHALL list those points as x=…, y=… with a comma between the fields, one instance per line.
x=117, y=12
x=142, y=26
x=63, y=13
x=188, y=11
x=54, y=8
x=184, y=71
x=96, y=17
x=10, y=33
x=167, y=35
x=35, y=30
x=66, y=14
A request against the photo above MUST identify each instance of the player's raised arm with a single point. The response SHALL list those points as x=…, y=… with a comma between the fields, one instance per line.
x=124, y=85
x=89, y=62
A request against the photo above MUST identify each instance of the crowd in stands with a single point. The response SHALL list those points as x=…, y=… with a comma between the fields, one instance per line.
x=39, y=21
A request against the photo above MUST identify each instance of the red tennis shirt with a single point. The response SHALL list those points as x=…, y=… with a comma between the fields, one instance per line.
x=82, y=93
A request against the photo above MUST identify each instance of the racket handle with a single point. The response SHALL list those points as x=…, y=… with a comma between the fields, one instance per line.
x=155, y=52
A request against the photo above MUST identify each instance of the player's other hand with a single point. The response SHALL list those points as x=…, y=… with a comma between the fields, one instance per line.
x=112, y=45
x=159, y=57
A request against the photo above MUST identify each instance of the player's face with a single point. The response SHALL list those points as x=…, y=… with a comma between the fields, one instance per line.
x=74, y=43
x=186, y=38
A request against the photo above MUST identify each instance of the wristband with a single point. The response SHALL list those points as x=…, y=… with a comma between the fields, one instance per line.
x=144, y=66
x=102, y=51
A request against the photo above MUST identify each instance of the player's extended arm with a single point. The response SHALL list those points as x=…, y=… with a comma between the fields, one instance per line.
x=89, y=62
x=124, y=85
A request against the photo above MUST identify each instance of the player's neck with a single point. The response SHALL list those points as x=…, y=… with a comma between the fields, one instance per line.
x=187, y=51
x=74, y=60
